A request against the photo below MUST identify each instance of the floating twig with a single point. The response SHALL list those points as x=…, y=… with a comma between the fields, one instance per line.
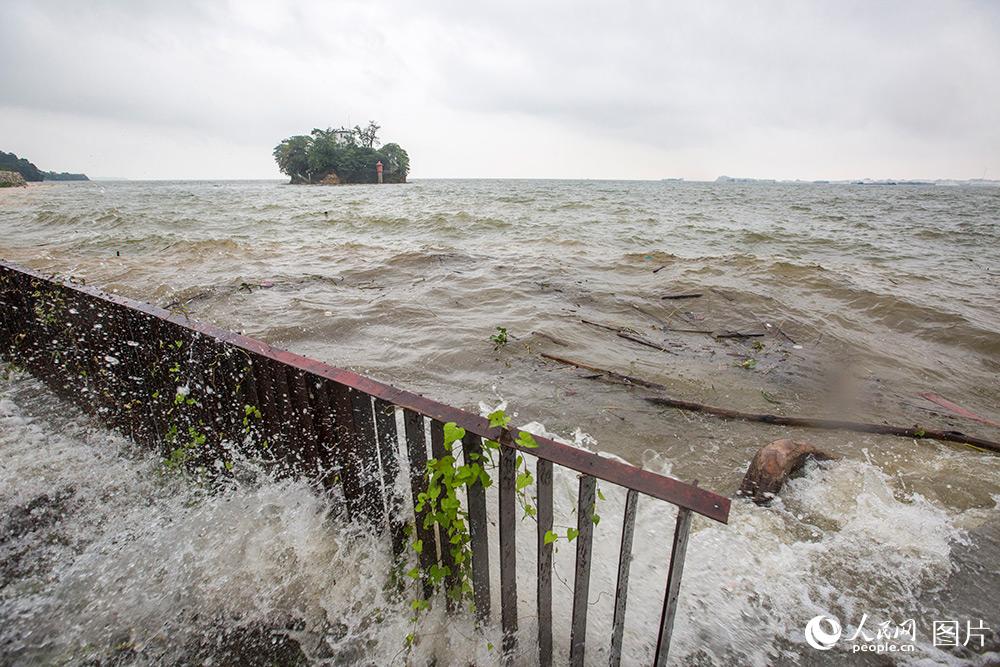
x=630, y=334
x=643, y=341
x=605, y=326
x=688, y=295
x=737, y=334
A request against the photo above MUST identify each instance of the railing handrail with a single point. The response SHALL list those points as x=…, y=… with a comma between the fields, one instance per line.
x=682, y=494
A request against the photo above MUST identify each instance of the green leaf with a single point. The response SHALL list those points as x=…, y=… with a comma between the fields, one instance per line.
x=550, y=537
x=526, y=440
x=571, y=534
x=414, y=573
x=596, y=519
x=438, y=572
x=769, y=397
x=452, y=433
x=418, y=546
x=600, y=495
x=523, y=481
x=499, y=339
x=498, y=418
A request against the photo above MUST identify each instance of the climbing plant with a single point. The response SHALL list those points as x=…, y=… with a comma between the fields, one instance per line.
x=442, y=507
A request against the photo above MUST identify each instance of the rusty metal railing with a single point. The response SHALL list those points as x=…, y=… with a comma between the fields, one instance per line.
x=170, y=382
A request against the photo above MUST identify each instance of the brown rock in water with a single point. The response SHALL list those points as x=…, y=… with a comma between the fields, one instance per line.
x=330, y=179
x=11, y=179
x=773, y=464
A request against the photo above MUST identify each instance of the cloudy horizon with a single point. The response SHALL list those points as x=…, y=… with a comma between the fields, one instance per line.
x=643, y=90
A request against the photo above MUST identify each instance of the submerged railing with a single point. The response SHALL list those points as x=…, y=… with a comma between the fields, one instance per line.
x=171, y=383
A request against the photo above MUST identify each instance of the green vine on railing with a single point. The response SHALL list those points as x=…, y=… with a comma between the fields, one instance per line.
x=441, y=507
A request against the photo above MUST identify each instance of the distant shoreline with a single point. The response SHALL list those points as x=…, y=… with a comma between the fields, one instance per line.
x=666, y=182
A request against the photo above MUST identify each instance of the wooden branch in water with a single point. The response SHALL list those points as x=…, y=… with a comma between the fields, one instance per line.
x=737, y=334
x=602, y=326
x=643, y=341
x=623, y=379
x=625, y=333
x=666, y=325
x=688, y=295
x=780, y=420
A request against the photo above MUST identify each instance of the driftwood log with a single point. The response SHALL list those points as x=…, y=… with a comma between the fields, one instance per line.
x=773, y=464
x=661, y=398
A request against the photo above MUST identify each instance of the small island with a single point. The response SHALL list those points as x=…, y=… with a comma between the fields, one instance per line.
x=341, y=156
x=12, y=164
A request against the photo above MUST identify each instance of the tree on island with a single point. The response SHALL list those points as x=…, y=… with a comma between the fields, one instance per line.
x=341, y=156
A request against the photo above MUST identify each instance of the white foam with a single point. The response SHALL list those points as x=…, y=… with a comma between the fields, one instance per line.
x=144, y=560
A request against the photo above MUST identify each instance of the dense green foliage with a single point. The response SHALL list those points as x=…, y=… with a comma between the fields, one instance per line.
x=344, y=156
x=10, y=162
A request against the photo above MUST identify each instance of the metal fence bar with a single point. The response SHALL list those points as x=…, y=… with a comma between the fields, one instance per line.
x=220, y=396
x=438, y=451
x=472, y=444
x=266, y=405
x=148, y=431
x=508, y=550
x=544, y=593
x=388, y=454
x=581, y=584
x=621, y=591
x=288, y=426
x=329, y=462
x=343, y=427
x=677, y=553
x=366, y=458
x=201, y=351
x=298, y=389
x=416, y=448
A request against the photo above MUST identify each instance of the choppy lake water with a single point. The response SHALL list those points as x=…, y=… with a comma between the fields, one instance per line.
x=867, y=296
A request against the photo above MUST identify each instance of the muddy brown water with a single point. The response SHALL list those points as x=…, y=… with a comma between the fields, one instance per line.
x=866, y=297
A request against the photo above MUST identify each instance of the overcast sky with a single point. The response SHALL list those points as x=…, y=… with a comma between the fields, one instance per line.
x=183, y=89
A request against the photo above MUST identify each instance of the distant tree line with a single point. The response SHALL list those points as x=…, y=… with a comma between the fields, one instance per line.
x=64, y=176
x=10, y=162
x=341, y=156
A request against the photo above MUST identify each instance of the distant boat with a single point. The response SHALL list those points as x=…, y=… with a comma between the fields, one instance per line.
x=672, y=180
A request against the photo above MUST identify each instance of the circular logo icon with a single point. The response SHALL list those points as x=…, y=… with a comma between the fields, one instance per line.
x=817, y=635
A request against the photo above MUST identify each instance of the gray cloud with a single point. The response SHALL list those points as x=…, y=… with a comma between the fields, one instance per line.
x=779, y=88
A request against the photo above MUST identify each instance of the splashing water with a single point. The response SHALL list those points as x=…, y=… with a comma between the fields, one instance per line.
x=107, y=556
